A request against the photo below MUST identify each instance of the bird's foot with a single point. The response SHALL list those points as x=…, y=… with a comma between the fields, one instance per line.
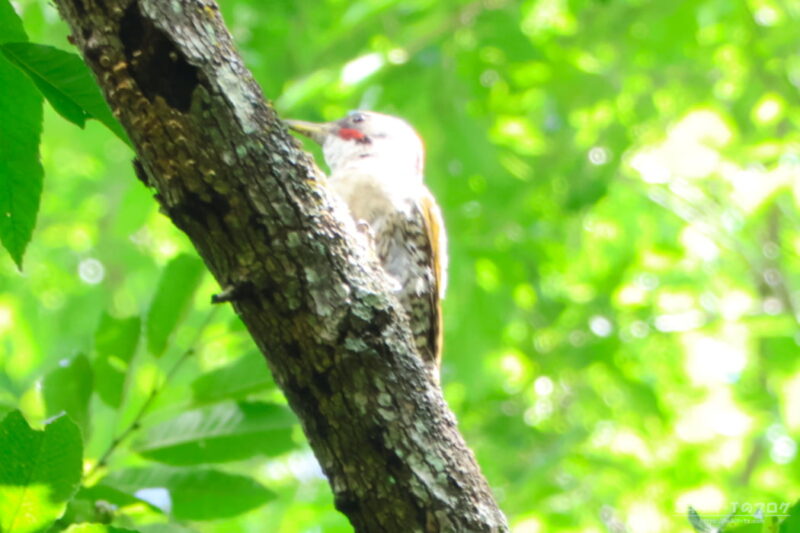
x=365, y=229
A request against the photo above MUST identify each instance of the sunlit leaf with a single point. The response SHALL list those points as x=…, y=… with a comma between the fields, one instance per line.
x=166, y=528
x=196, y=494
x=175, y=291
x=39, y=472
x=792, y=523
x=114, y=345
x=111, y=495
x=249, y=373
x=68, y=388
x=745, y=528
x=219, y=433
x=98, y=528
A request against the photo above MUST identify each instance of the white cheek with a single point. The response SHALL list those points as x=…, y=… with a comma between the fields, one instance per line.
x=336, y=151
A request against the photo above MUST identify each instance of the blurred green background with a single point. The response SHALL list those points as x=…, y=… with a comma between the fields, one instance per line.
x=620, y=182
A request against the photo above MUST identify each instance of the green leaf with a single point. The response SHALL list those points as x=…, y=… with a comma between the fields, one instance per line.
x=115, y=343
x=165, y=528
x=247, y=374
x=698, y=524
x=66, y=82
x=745, y=528
x=18, y=54
x=771, y=524
x=78, y=510
x=39, y=472
x=197, y=494
x=21, y=172
x=11, y=28
x=99, y=503
x=109, y=494
x=97, y=528
x=175, y=290
x=792, y=523
x=219, y=433
x=68, y=389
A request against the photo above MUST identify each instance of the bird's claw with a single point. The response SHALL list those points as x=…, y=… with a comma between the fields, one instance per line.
x=365, y=229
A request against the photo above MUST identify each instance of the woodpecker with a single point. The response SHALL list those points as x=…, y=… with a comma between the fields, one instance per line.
x=376, y=163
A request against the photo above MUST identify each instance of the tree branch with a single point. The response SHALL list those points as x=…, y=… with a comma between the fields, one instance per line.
x=227, y=173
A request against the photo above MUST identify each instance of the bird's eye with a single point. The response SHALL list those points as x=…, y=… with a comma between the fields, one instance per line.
x=357, y=117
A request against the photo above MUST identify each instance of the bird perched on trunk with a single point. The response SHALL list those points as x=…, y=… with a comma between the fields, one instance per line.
x=376, y=165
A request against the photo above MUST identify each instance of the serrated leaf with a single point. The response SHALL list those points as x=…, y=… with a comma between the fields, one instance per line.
x=21, y=173
x=115, y=343
x=247, y=374
x=175, y=291
x=219, y=433
x=68, y=389
x=39, y=472
x=196, y=494
x=66, y=82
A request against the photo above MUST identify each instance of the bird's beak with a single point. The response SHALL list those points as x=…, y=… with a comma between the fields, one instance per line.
x=316, y=131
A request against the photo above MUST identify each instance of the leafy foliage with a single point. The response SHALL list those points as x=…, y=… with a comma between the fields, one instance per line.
x=220, y=433
x=20, y=171
x=115, y=345
x=39, y=472
x=620, y=185
x=65, y=81
x=68, y=389
x=173, y=296
x=196, y=494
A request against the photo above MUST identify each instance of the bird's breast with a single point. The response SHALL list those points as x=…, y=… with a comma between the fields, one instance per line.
x=371, y=197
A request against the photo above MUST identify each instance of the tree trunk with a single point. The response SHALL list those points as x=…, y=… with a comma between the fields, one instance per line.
x=315, y=301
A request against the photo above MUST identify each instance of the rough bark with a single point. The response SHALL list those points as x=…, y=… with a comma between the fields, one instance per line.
x=226, y=172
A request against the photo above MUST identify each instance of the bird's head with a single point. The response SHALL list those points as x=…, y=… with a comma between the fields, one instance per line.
x=366, y=138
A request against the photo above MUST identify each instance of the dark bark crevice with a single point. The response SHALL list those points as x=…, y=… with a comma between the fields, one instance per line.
x=157, y=65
